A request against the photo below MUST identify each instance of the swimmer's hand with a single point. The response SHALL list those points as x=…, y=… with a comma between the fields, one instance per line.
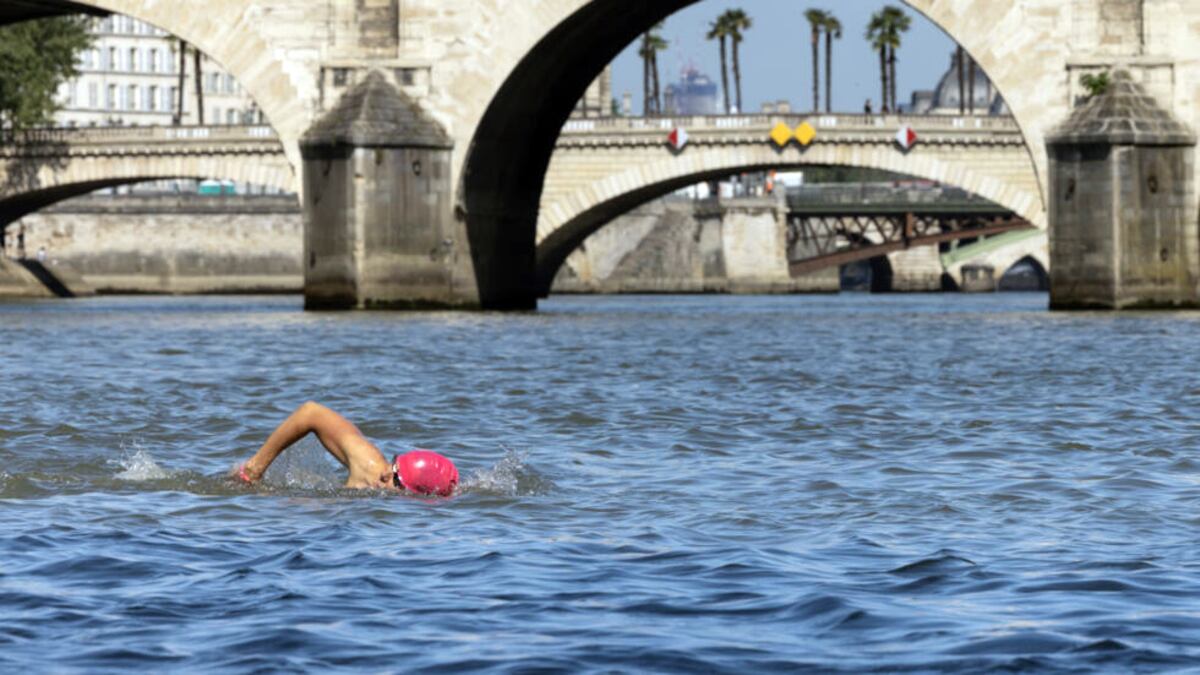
x=245, y=474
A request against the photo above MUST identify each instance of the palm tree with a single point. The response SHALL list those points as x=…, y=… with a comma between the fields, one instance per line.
x=877, y=34
x=719, y=30
x=652, y=44
x=816, y=21
x=833, y=30
x=898, y=22
x=738, y=21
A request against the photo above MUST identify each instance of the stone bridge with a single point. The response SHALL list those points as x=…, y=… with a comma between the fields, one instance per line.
x=502, y=76
x=48, y=166
x=601, y=167
x=604, y=167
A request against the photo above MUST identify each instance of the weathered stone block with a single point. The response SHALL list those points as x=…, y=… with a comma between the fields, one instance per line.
x=1122, y=230
x=379, y=227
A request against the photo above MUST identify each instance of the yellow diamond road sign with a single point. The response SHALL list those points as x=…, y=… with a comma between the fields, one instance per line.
x=781, y=134
x=805, y=133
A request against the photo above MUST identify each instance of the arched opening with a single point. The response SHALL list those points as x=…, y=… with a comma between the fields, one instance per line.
x=869, y=212
x=15, y=11
x=866, y=276
x=1027, y=274
x=506, y=164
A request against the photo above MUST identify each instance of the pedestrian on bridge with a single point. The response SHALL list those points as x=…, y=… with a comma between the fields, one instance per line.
x=21, y=241
x=4, y=242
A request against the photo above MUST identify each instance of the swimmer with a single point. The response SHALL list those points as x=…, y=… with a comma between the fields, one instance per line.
x=420, y=471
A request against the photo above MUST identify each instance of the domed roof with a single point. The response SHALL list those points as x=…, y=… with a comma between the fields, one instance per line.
x=948, y=94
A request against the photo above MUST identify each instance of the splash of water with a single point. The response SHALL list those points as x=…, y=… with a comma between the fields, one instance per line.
x=137, y=465
x=512, y=476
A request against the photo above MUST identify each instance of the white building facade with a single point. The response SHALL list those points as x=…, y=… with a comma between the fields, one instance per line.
x=130, y=77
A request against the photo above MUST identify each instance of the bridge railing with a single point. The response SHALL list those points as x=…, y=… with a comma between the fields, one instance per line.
x=149, y=134
x=965, y=123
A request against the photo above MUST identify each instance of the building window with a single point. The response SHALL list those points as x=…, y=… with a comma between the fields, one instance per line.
x=152, y=62
x=110, y=98
x=112, y=59
x=407, y=77
x=151, y=98
x=131, y=97
x=231, y=117
x=341, y=76
x=132, y=64
x=229, y=84
x=93, y=95
x=168, y=98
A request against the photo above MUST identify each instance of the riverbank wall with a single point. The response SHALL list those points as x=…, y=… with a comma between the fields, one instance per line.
x=685, y=246
x=175, y=244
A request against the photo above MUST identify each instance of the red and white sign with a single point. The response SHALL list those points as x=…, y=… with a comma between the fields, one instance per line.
x=905, y=137
x=678, y=138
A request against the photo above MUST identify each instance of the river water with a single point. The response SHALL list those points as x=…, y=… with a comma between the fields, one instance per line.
x=700, y=484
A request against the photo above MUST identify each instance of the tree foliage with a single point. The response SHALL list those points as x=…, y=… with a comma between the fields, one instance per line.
x=1095, y=84
x=35, y=58
x=884, y=31
x=652, y=43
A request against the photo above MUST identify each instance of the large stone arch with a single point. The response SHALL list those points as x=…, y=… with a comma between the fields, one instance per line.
x=504, y=169
x=54, y=183
x=231, y=33
x=599, y=203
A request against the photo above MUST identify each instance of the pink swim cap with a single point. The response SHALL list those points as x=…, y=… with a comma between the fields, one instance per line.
x=426, y=472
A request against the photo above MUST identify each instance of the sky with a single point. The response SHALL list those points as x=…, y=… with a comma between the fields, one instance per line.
x=776, y=55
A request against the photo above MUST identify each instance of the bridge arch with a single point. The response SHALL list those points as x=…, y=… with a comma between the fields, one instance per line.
x=52, y=183
x=1000, y=253
x=505, y=166
x=1040, y=273
x=572, y=218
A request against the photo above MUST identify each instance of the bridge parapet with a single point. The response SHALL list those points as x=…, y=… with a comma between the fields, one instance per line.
x=118, y=141
x=840, y=128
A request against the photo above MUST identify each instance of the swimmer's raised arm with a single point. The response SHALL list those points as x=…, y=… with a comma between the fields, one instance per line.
x=340, y=437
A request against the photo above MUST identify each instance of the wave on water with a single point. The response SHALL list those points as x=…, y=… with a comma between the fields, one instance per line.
x=512, y=476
